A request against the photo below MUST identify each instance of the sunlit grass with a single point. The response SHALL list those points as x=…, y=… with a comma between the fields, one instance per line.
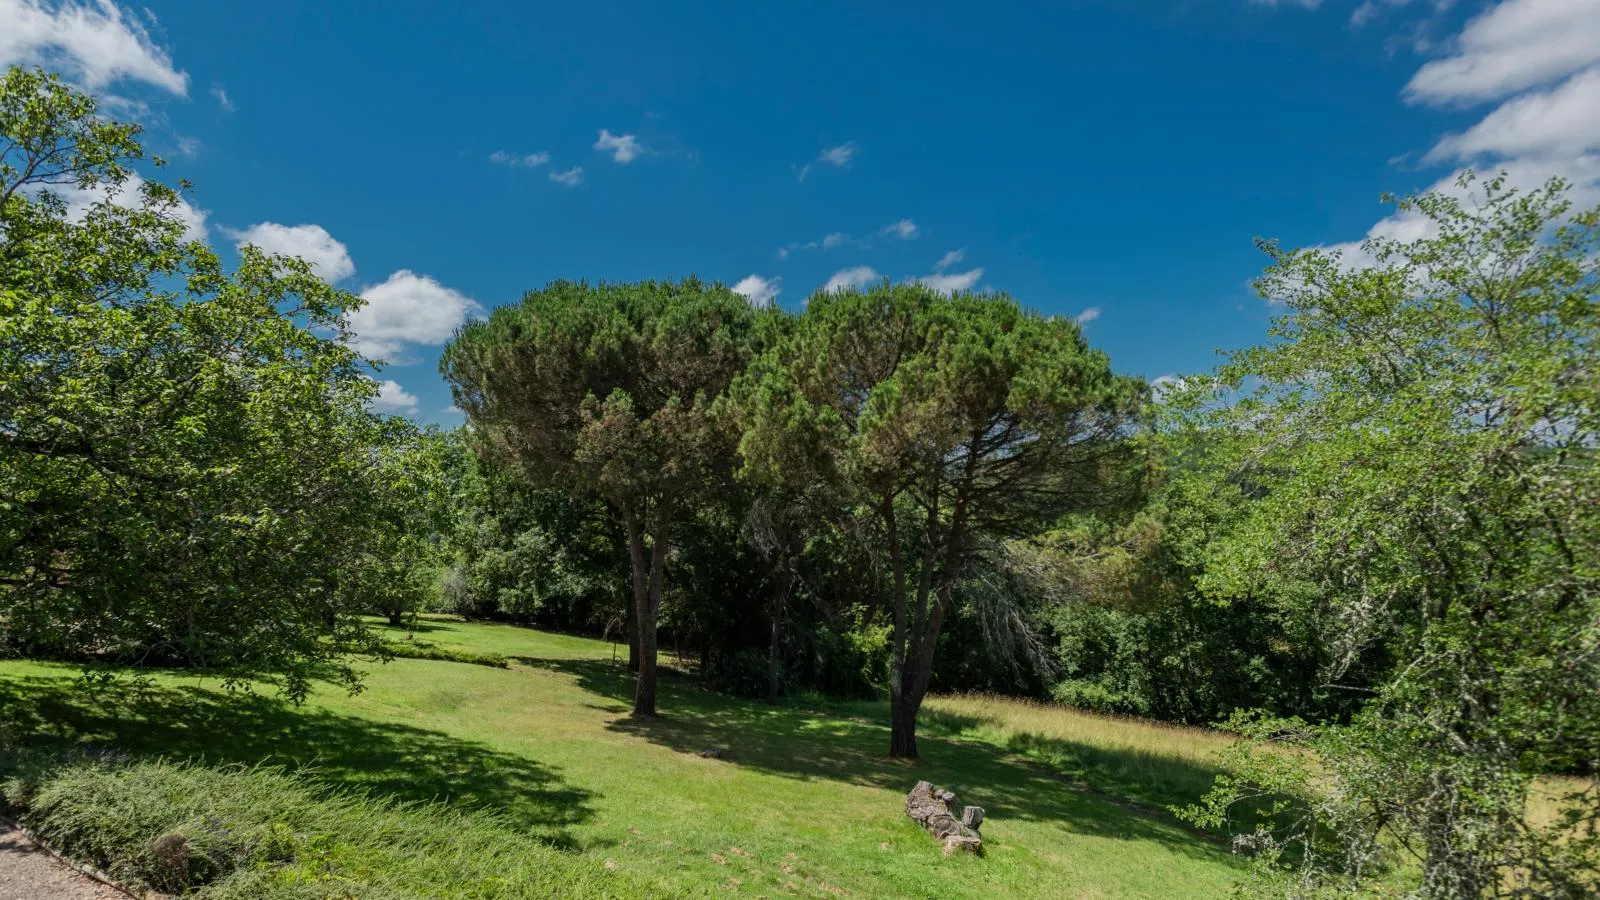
x=1135, y=758
x=802, y=803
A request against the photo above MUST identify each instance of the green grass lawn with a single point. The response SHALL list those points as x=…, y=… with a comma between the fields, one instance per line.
x=802, y=803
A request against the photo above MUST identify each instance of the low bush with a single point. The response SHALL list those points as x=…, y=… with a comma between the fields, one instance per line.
x=263, y=832
x=425, y=650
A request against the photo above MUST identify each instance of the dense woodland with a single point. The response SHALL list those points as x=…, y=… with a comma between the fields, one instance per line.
x=1374, y=537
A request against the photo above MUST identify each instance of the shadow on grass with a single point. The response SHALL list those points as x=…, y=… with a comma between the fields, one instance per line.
x=793, y=743
x=217, y=727
x=420, y=626
x=1144, y=777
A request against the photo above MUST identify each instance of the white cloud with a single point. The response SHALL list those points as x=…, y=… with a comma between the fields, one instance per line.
x=1399, y=226
x=951, y=282
x=624, y=148
x=1088, y=315
x=1517, y=45
x=1162, y=385
x=93, y=43
x=392, y=398
x=1541, y=58
x=408, y=309
x=1564, y=121
x=569, y=178
x=451, y=410
x=327, y=256
x=949, y=259
x=1524, y=174
x=189, y=147
x=838, y=157
x=830, y=241
x=519, y=160
x=1306, y=4
x=854, y=277
x=221, y=93
x=905, y=229
x=130, y=195
x=1367, y=11
x=1371, y=9
x=759, y=291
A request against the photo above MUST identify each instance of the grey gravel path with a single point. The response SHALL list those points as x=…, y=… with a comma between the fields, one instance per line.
x=29, y=873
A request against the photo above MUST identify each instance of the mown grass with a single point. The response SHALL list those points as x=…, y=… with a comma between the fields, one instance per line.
x=802, y=803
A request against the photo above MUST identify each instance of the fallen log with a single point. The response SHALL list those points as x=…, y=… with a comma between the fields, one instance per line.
x=934, y=810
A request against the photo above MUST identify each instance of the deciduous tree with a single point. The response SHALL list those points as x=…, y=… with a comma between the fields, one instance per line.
x=186, y=452
x=1420, y=438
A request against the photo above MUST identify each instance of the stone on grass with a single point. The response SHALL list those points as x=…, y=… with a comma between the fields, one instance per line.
x=933, y=809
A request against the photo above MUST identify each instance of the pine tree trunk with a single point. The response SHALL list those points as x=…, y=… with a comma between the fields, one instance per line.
x=772, y=665
x=644, y=695
x=903, y=727
x=779, y=599
x=631, y=624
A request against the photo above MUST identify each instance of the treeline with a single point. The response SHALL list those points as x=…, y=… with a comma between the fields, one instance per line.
x=1372, y=540
x=1099, y=611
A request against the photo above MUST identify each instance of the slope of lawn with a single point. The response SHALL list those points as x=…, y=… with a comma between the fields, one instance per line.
x=801, y=803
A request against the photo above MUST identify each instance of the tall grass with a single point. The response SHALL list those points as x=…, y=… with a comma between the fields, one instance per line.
x=532, y=780
x=1149, y=762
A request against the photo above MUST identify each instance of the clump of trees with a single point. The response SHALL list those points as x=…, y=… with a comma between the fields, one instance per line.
x=189, y=473
x=1371, y=539
x=1369, y=544
x=939, y=425
x=1414, y=461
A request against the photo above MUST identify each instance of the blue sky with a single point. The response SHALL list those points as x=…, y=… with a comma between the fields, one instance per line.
x=1110, y=160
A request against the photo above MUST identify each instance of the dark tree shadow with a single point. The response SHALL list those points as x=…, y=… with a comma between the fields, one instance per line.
x=807, y=745
x=420, y=626
x=210, y=726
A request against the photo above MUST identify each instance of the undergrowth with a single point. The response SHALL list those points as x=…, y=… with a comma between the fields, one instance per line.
x=250, y=832
x=427, y=650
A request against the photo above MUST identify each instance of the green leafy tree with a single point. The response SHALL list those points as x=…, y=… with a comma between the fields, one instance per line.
x=607, y=390
x=1135, y=634
x=186, y=453
x=951, y=421
x=1419, y=441
x=532, y=555
x=397, y=569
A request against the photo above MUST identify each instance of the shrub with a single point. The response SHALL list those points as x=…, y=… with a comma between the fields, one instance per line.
x=853, y=662
x=426, y=650
x=263, y=832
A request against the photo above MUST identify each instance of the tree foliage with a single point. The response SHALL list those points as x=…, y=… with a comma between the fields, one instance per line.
x=1421, y=440
x=952, y=422
x=187, y=460
x=607, y=391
